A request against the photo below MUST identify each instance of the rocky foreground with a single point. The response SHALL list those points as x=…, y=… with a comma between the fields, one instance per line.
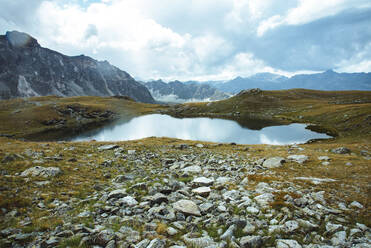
x=162, y=193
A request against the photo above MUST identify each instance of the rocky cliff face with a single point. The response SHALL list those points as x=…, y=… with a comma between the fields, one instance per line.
x=182, y=92
x=27, y=69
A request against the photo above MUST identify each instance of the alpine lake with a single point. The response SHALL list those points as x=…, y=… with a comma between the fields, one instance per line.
x=202, y=129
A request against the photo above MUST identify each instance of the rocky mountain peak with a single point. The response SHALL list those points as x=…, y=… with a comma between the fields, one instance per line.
x=19, y=39
x=26, y=72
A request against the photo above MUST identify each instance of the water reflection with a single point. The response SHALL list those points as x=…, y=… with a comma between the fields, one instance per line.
x=203, y=129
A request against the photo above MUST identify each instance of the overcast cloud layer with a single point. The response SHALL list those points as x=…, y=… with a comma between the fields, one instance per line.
x=202, y=39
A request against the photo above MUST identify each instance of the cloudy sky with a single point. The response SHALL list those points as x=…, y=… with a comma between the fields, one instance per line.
x=202, y=39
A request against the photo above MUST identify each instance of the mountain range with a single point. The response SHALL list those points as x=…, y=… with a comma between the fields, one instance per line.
x=177, y=91
x=27, y=69
x=328, y=80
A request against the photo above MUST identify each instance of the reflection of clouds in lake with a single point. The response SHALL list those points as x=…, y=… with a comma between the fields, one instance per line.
x=204, y=129
x=265, y=140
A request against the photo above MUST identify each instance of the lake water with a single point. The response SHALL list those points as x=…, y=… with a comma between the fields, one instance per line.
x=202, y=129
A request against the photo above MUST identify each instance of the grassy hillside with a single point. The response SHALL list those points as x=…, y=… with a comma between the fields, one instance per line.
x=54, y=117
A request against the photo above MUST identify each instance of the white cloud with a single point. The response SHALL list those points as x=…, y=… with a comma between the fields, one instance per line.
x=183, y=39
x=309, y=10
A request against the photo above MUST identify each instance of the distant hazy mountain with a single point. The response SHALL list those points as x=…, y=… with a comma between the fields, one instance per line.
x=27, y=69
x=328, y=80
x=177, y=91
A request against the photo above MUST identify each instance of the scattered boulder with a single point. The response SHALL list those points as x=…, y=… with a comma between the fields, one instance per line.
x=273, y=162
x=39, y=171
x=202, y=191
x=192, y=169
x=340, y=150
x=118, y=193
x=187, y=207
x=203, y=181
x=298, y=158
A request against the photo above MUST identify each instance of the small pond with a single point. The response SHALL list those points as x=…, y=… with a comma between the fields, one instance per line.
x=202, y=129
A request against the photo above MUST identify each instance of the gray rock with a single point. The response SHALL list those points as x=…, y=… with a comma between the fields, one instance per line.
x=340, y=150
x=339, y=238
x=128, y=201
x=202, y=191
x=203, y=181
x=287, y=243
x=143, y=244
x=249, y=228
x=205, y=207
x=228, y=234
x=291, y=226
x=298, y=158
x=264, y=199
x=39, y=171
x=111, y=244
x=273, y=162
x=192, y=169
x=187, y=207
x=107, y=147
x=118, y=193
x=157, y=198
x=251, y=242
x=356, y=204
x=252, y=210
x=171, y=231
x=157, y=243
x=194, y=241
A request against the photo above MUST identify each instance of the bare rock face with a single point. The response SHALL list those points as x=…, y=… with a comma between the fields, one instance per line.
x=27, y=69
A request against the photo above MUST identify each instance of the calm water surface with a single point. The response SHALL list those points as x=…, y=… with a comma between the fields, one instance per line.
x=203, y=129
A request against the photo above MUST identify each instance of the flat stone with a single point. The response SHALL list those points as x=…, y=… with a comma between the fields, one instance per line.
x=356, y=204
x=273, y=162
x=192, y=169
x=107, y=147
x=39, y=171
x=264, y=199
x=202, y=191
x=129, y=201
x=187, y=207
x=205, y=207
x=118, y=193
x=298, y=158
x=287, y=243
x=203, y=181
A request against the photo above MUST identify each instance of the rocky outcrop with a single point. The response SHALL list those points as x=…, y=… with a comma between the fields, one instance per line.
x=27, y=69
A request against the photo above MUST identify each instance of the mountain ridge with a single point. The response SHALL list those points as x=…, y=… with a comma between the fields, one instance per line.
x=27, y=69
x=176, y=91
x=328, y=80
